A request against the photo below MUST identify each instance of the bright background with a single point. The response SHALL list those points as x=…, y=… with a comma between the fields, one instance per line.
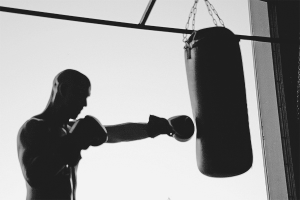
x=134, y=73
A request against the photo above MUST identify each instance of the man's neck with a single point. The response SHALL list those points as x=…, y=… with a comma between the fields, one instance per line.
x=54, y=117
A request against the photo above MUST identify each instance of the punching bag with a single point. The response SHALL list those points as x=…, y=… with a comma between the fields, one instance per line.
x=218, y=98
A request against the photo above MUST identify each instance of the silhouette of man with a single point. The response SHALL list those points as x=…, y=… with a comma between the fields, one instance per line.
x=49, y=144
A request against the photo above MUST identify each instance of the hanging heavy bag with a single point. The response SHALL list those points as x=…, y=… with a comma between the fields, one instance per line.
x=218, y=98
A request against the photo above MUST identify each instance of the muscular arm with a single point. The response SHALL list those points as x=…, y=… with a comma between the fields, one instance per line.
x=41, y=158
x=126, y=132
x=136, y=131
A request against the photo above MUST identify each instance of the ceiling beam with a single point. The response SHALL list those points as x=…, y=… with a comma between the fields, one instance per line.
x=130, y=25
x=147, y=12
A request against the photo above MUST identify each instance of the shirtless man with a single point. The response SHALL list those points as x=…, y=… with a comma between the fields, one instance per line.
x=49, y=145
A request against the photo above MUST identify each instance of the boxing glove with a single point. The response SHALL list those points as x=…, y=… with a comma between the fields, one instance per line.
x=180, y=127
x=88, y=131
x=183, y=127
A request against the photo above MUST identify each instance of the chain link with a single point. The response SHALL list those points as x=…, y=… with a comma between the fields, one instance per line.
x=298, y=89
x=211, y=10
x=193, y=13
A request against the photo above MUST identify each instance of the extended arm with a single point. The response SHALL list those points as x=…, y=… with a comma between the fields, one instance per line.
x=136, y=131
x=126, y=132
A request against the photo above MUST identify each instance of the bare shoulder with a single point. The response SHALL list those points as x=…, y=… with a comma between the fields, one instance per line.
x=32, y=127
x=32, y=134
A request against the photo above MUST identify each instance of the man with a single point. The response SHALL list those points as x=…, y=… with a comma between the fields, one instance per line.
x=49, y=144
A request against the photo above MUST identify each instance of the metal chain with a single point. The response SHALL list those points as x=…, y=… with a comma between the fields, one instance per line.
x=298, y=88
x=211, y=9
x=192, y=13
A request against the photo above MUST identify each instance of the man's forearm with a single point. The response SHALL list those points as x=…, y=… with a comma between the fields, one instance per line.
x=126, y=132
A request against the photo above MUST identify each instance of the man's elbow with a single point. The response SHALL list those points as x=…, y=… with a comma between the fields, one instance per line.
x=35, y=179
x=113, y=139
x=32, y=180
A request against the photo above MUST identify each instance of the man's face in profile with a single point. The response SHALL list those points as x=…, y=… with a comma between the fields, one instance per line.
x=76, y=99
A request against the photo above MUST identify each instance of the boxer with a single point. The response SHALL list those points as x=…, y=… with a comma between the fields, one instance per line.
x=49, y=144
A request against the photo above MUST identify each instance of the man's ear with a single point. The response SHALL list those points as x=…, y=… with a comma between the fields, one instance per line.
x=62, y=89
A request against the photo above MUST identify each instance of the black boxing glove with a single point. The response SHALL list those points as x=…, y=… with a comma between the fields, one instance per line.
x=183, y=127
x=88, y=131
x=158, y=126
x=98, y=129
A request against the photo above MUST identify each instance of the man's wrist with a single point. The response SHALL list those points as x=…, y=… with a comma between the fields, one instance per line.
x=158, y=126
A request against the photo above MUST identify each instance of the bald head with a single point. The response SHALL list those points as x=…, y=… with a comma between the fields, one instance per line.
x=71, y=77
x=70, y=91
